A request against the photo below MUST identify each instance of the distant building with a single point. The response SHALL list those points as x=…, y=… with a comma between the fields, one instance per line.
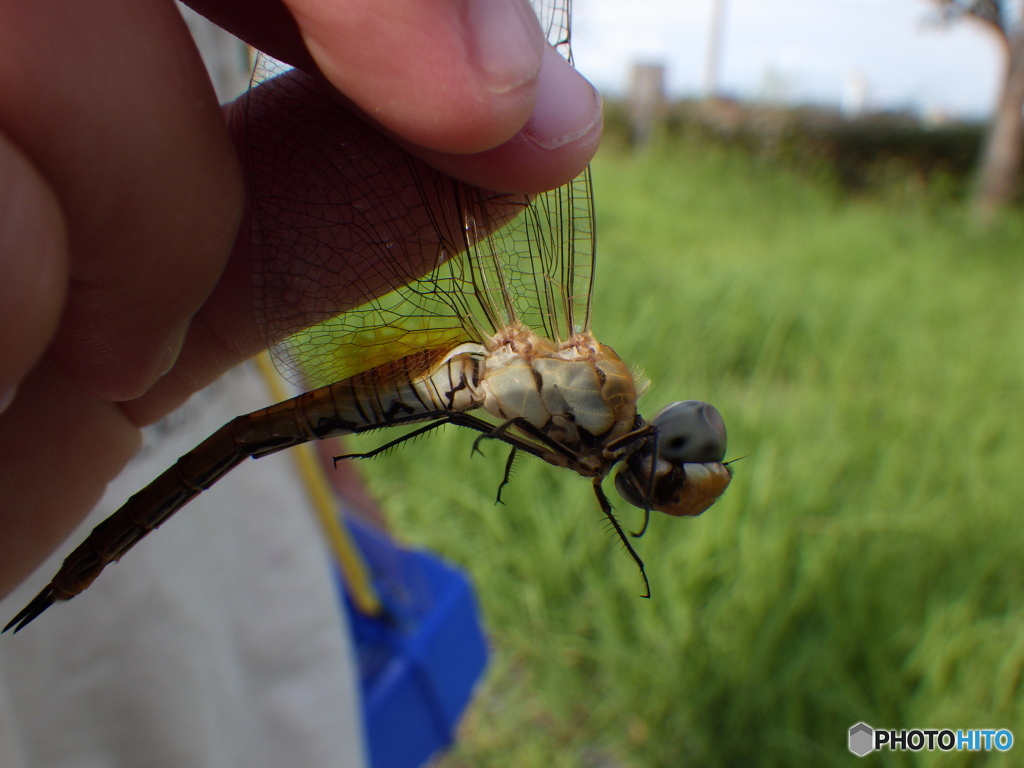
x=855, y=95
x=646, y=103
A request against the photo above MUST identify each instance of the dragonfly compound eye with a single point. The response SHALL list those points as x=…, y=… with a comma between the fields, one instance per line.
x=690, y=431
x=687, y=475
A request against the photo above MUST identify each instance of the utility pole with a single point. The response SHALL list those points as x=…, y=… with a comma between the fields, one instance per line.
x=716, y=37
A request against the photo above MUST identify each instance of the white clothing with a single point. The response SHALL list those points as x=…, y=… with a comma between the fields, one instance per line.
x=218, y=642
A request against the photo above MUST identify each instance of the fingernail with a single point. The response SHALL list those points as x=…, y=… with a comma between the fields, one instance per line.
x=7, y=397
x=171, y=349
x=568, y=107
x=506, y=41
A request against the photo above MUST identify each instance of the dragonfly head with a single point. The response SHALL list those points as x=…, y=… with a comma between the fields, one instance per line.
x=688, y=473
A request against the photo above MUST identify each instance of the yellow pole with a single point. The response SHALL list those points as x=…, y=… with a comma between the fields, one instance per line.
x=354, y=570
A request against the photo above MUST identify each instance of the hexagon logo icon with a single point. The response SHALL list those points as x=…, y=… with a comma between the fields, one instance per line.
x=862, y=738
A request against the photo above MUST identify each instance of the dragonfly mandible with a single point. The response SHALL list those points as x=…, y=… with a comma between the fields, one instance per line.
x=480, y=317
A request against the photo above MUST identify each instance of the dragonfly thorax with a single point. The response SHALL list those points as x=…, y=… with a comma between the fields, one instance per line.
x=578, y=392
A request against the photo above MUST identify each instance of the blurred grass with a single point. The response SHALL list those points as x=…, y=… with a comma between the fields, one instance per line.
x=866, y=564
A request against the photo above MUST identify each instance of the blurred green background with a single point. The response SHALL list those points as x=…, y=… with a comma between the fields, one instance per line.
x=867, y=354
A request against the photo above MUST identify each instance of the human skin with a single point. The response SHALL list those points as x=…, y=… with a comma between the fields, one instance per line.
x=124, y=282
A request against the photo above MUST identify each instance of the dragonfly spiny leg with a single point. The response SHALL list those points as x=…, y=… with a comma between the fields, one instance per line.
x=542, y=437
x=606, y=507
x=461, y=419
x=508, y=474
x=393, y=443
x=488, y=430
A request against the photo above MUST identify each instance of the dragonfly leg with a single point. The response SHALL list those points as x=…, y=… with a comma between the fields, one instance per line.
x=485, y=428
x=643, y=528
x=501, y=433
x=508, y=473
x=606, y=507
x=495, y=433
x=392, y=443
x=622, y=446
x=649, y=495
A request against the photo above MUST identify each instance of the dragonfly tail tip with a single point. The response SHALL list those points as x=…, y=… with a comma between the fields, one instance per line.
x=26, y=615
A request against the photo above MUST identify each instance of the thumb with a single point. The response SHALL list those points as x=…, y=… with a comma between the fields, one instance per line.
x=449, y=76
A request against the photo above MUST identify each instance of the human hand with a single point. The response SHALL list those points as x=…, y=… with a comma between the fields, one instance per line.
x=122, y=287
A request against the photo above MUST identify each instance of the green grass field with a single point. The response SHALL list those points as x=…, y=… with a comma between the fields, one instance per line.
x=867, y=562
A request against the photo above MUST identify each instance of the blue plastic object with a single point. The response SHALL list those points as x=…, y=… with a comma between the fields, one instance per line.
x=420, y=662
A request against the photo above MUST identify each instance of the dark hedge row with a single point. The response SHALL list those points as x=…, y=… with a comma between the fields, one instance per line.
x=861, y=154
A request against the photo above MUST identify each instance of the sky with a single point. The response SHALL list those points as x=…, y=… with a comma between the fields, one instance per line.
x=818, y=51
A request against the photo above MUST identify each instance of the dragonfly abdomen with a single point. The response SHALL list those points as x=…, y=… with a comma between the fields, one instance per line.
x=411, y=389
x=189, y=476
x=376, y=398
x=421, y=386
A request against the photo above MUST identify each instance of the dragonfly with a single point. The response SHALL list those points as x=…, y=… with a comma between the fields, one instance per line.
x=478, y=316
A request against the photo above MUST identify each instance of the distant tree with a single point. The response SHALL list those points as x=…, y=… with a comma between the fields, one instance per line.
x=1000, y=165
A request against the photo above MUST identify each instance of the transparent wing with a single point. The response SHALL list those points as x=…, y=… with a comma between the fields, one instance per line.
x=363, y=254
x=556, y=18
